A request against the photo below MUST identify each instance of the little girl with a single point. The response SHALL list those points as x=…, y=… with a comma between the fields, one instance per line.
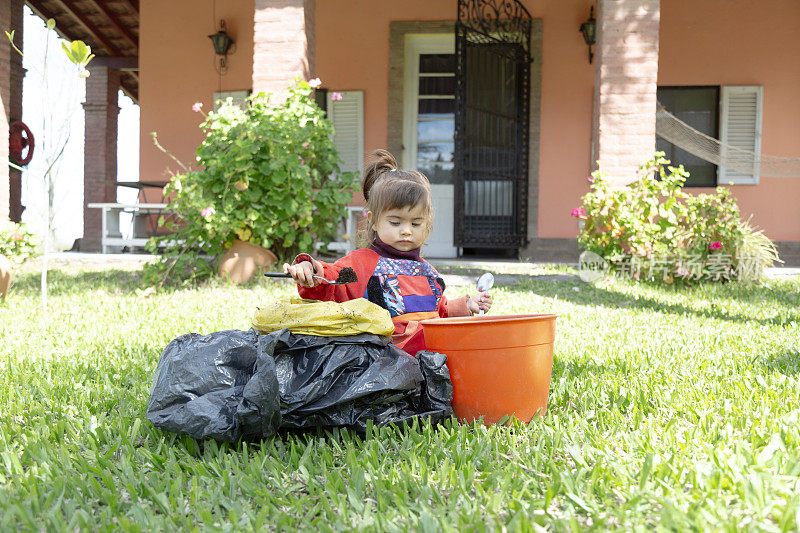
x=391, y=272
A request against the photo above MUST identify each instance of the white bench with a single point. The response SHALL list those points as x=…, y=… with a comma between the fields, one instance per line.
x=112, y=236
x=138, y=234
x=350, y=227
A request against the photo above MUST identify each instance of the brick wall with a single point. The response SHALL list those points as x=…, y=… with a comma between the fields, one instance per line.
x=626, y=73
x=5, y=108
x=100, y=150
x=283, y=43
x=15, y=106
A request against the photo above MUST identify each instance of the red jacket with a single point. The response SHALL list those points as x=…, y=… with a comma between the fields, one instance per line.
x=410, y=290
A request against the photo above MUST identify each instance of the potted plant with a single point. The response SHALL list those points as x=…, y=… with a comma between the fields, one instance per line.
x=16, y=245
x=652, y=229
x=268, y=175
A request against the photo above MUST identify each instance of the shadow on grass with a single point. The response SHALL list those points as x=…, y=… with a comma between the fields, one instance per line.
x=786, y=363
x=783, y=292
x=590, y=294
x=60, y=282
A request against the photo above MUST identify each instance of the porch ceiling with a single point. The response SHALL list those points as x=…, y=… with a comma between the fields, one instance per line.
x=110, y=27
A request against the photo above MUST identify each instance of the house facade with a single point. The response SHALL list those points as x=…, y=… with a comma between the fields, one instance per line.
x=497, y=102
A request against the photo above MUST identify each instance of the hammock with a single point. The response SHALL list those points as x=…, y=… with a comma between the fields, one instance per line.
x=674, y=130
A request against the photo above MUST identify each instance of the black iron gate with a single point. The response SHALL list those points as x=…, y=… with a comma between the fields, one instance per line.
x=492, y=138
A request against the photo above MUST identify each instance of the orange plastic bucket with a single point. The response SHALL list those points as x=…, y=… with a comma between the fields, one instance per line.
x=499, y=365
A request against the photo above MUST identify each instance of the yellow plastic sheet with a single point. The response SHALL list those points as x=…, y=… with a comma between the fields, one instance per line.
x=326, y=319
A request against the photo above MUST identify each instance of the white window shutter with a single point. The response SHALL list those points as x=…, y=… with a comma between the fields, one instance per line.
x=740, y=127
x=347, y=116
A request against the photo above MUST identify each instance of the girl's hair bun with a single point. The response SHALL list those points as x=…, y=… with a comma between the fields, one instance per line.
x=387, y=187
x=377, y=162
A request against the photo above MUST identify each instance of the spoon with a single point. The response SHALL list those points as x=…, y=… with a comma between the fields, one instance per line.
x=485, y=282
x=346, y=275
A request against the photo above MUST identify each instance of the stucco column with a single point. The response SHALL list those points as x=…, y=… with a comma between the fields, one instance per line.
x=283, y=43
x=626, y=73
x=100, y=150
x=15, y=107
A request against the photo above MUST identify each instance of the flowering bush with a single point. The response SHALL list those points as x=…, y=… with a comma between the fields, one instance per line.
x=268, y=174
x=652, y=229
x=16, y=243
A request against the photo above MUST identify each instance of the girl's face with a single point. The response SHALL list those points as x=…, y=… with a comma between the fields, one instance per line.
x=403, y=228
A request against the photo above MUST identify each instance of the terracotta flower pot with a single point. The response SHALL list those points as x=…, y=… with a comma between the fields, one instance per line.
x=243, y=260
x=5, y=275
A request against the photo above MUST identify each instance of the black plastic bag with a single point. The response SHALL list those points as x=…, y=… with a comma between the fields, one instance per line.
x=345, y=381
x=437, y=390
x=216, y=385
x=233, y=384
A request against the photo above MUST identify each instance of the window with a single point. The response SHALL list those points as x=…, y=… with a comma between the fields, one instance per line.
x=740, y=125
x=436, y=116
x=347, y=116
x=238, y=97
x=698, y=107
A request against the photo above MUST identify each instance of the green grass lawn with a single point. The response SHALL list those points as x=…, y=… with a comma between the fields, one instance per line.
x=669, y=408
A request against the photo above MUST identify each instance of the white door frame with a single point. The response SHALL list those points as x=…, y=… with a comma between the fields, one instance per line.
x=416, y=44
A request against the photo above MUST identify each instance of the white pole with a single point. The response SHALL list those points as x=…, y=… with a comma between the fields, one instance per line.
x=45, y=246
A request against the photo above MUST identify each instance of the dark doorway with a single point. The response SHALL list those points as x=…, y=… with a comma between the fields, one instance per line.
x=491, y=120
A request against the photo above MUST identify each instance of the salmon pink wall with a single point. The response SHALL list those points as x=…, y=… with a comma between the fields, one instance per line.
x=355, y=56
x=716, y=42
x=176, y=62
x=566, y=115
x=353, y=51
x=739, y=42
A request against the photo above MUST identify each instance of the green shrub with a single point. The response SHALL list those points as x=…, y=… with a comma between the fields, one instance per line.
x=653, y=229
x=268, y=174
x=16, y=243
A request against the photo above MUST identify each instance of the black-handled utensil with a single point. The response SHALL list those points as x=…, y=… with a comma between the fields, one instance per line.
x=346, y=275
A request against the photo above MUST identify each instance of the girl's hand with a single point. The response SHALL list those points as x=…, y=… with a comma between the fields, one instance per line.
x=476, y=302
x=302, y=273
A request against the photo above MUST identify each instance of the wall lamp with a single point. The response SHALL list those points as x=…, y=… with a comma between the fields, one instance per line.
x=589, y=31
x=222, y=43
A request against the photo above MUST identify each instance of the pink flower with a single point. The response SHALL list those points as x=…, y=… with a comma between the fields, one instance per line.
x=590, y=179
x=715, y=245
x=316, y=82
x=578, y=212
x=197, y=106
x=335, y=97
x=207, y=211
x=302, y=161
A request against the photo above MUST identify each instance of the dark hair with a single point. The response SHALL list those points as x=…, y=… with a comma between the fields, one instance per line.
x=387, y=187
